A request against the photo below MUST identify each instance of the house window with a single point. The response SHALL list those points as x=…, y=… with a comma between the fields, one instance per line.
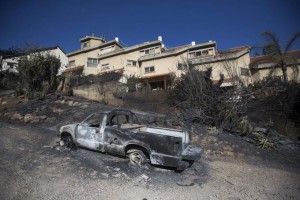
x=198, y=53
x=181, y=66
x=86, y=44
x=132, y=63
x=192, y=55
x=149, y=50
x=245, y=71
x=149, y=69
x=105, y=66
x=72, y=63
x=205, y=52
x=92, y=62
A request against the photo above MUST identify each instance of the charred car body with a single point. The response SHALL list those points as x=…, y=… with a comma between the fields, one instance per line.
x=119, y=132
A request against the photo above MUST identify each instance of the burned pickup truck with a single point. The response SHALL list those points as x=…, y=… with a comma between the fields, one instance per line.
x=119, y=132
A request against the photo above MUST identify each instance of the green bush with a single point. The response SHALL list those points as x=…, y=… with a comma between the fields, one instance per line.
x=37, y=73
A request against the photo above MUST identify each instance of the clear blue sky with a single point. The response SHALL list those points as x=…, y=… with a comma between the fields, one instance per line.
x=63, y=22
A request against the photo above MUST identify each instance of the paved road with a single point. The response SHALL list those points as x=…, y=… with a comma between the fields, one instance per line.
x=31, y=168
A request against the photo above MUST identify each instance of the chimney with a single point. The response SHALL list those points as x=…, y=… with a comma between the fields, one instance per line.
x=117, y=39
x=193, y=43
x=159, y=38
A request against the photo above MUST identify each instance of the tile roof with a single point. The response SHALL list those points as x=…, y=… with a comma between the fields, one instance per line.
x=263, y=59
x=111, y=70
x=73, y=69
x=157, y=75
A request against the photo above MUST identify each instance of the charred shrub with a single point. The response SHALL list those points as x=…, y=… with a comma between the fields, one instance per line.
x=195, y=97
x=8, y=80
x=199, y=101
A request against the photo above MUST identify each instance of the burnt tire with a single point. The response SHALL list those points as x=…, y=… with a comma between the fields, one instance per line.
x=68, y=141
x=137, y=157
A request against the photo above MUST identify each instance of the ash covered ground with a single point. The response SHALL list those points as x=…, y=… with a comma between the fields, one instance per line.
x=34, y=166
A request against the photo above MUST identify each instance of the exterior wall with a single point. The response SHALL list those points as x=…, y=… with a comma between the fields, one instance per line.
x=62, y=57
x=230, y=68
x=255, y=75
x=161, y=65
x=292, y=72
x=94, y=43
x=118, y=61
x=131, y=70
x=82, y=58
x=10, y=64
x=91, y=42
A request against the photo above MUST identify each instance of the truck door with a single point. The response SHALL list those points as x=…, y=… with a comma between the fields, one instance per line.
x=88, y=132
x=115, y=136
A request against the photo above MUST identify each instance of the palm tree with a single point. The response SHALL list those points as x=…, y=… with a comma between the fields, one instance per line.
x=276, y=52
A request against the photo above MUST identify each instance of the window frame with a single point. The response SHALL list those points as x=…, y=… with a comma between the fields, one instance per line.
x=86, y=44
x=244, y=69
x=181, y=66
x=131, y=63
x=201, y=53
x=92, y=62
x=150, y=50
x=148, y=69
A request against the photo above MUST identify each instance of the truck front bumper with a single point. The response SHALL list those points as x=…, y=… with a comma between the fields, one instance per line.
x=191, y=152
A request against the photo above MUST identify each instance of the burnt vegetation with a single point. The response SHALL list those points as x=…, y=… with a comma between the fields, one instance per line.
x=199, y=101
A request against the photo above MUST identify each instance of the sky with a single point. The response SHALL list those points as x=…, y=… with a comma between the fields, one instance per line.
x=230, y=23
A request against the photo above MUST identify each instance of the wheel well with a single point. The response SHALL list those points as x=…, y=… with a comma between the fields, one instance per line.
x=137, y=147
x=65, y=134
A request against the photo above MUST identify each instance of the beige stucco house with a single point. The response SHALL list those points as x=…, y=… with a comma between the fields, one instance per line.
x=263, y=67
x=157, y=65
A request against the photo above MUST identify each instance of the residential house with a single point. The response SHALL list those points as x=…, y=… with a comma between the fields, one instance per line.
x=233, y=64
x=91, y=48
x=156, y=65
x=263, y=67
x=10, y=63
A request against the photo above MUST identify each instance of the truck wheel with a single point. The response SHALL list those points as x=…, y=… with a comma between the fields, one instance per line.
x=137, y=157
x=68, y=141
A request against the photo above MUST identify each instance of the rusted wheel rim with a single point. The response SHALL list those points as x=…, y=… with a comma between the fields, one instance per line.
x=136, y=158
